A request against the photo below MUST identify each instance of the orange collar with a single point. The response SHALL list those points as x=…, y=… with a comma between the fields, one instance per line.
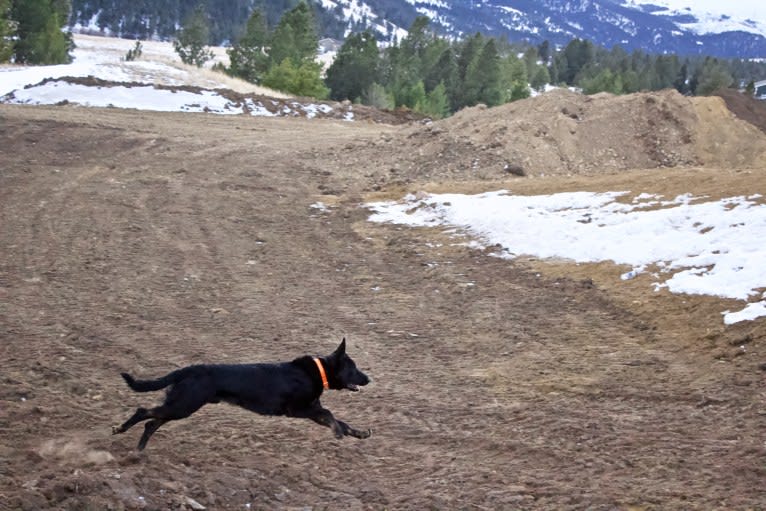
x=325, y=384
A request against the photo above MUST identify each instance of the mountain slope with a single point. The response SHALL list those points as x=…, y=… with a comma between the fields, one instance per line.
x=605, y=22
x=632, y=24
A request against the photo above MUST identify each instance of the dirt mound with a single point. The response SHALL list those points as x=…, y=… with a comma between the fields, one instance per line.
x=745, y=107
x=563, y=132
x=723, y=140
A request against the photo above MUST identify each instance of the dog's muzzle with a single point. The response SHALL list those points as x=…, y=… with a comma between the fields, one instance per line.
x=354, y=387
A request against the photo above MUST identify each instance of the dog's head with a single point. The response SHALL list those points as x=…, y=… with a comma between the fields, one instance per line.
x=342, y=371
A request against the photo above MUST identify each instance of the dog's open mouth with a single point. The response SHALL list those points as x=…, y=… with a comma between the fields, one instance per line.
x=352, y=387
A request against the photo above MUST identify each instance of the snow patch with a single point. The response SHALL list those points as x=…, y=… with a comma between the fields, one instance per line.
x=701, y=247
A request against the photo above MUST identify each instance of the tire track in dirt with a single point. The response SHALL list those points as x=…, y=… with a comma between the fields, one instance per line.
x=494, y=387
x=616, y=361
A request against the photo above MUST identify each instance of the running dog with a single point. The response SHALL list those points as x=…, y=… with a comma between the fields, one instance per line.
x=291, y=389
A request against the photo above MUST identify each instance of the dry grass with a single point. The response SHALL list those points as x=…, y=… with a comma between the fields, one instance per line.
x=162, y=52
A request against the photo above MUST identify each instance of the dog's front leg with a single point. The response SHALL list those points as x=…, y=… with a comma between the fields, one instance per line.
x=325, y=417
x=320, y=415
x=348, y=430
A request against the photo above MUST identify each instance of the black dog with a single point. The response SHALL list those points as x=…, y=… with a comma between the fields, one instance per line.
x=289, y=388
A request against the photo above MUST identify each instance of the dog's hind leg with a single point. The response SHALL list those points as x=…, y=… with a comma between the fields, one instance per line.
x=149, y=429
x=165, y=413
x=141, y=415
x=182, y=400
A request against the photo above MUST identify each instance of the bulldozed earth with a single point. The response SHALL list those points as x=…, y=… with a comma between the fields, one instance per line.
x=144, y=242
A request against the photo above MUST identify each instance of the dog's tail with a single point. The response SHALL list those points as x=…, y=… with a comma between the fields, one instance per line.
x=150, y=385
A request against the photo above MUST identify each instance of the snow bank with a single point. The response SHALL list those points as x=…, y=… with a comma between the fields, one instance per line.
x=702, y=247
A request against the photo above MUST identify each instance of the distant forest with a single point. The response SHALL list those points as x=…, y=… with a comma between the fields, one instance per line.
x=145, y=19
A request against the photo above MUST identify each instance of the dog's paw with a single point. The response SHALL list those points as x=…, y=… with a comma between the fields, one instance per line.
x=361, y=434
x=116, y=430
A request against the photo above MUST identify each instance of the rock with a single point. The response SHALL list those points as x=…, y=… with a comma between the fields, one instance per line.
x=194, y=504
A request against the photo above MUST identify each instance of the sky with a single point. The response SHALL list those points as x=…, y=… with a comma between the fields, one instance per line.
x=685, y=244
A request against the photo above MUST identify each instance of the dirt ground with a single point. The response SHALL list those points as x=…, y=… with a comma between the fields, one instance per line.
x=148, y=241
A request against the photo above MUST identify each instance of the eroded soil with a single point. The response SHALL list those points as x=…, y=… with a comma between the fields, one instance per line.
x=145, y=242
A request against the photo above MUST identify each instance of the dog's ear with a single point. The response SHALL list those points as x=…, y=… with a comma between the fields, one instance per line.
x=341, y=350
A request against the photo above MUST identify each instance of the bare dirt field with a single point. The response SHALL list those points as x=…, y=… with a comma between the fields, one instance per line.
x=148, y=241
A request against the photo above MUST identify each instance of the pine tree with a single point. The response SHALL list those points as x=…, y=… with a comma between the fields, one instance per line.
x=248, y=58
x=681, y=82
x=666, y=68
x=530, y=60
x=540, y=79
x=575, y=57
x=135, y=52
x=713, y=76
x=280, y=76
x=553, y=71
x=630, y=82
x=398, y=75
x=466, y=90
x=7, y=31
x=376, y=95
x=295, y=36
x=694, y=80
x=514, y=79
x=443, y=72
x=301, y=80
x=308, y=81
x=291, y=57
x=487, y=75
x=415, y=96
x=436, y=103
x=191, y=41
x=410, y=95
x=430, y=61
x=415, y=46
x=604, y=81
x=39, y=30
x=406, y=64
x=355, y=67
x=544, y=50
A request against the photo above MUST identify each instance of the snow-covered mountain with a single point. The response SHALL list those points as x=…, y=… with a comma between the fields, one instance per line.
x=685, y=27
x=710, y=16
x=655, y=26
